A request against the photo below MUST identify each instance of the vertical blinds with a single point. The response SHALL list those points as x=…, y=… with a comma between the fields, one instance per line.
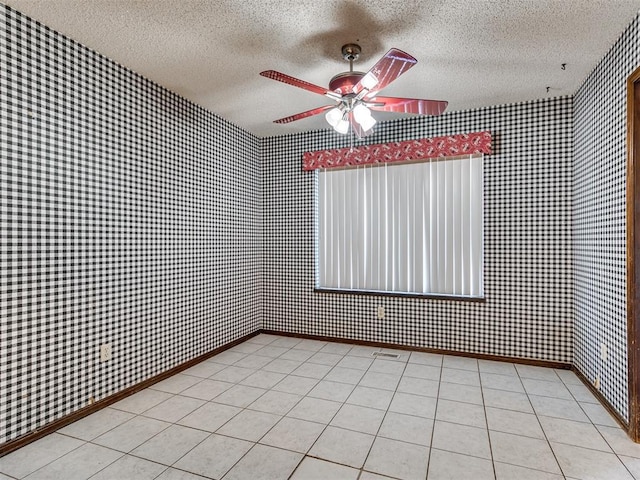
x=413, y=228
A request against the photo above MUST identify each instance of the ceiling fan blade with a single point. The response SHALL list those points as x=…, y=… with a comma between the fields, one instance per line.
x=408, y=105
x=394, y=63
x=306, y=114
x=296, y=82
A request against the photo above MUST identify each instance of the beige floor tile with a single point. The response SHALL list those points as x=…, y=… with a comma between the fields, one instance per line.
x=342, y=446
x=214, y=456
x=383, y=381
x=293, y=434
x=228, y=357
x=387, y=366
x=141, y=401
x=78, y=464
x=570, y=432
x=423, y=358
x=370, y=397
x=427, y=372
x=397, y=459
x=328, y=390
x=207, y=389
x=174, y=409
x=262, y=379
x=505, y=471
x=323, y=358
x=233, y=374
x=500, y=368
x=358, y=363
x=176, y=383
x=517, y=423
x=336, y=348
x=240, y=395
x=253, y=362
x=507, y=400
x=463, y=377
x=345, y=375
x=281, y=365
x=296, y=385
x=496, y=381
x=204, y=369
x=406, y=428
x=297, y=355
x=265, y=463
x=96, y=424
x=272, y=351
x=359, y=419
x=249, y=425
x=460, y=363
x=128, y=467
x=276, y=402
x=315, y=469
x=413, y=405
x=462, y=439
x=537, y=373
x=312, y=370
x=620, y=441
x=558, y=408
x=419, y=386
x=449, y=465
x=526, y=452
x=175, y=474
x=462, y=413
x=33, y=456
x=587, y=464
x=315, y=410
x=129, y=435
x=170, y=445
x=461, y=393
x=210, y=416
x=545, y=388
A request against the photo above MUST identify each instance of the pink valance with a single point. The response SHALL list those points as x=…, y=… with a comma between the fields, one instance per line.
x=450, y=146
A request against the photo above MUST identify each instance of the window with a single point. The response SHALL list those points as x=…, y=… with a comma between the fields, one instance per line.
x=409, y=228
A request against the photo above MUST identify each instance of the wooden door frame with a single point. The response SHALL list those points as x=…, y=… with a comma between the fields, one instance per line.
x=633, y=251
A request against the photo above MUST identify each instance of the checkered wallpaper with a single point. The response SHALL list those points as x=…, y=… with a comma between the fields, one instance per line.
x=129, y=216
x=599, y=211
x=528, y=262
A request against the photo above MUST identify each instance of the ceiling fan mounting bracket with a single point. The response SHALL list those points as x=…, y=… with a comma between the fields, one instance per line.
x=351, y=52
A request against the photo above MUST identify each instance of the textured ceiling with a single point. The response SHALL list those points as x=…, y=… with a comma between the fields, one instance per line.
x=472, y=53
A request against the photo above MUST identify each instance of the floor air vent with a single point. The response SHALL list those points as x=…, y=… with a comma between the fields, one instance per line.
x=385, y=355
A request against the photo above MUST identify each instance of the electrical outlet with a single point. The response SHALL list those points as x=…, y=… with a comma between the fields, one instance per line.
x=105, y=352
x=603, y=352
x=380, y=313
x=596, y=383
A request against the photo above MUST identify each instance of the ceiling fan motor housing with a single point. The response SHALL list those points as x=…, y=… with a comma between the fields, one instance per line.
x=344, y=82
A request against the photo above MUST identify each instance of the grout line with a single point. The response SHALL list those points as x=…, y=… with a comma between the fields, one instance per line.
x=435, y=414
x=486, y=422
x=540, y=423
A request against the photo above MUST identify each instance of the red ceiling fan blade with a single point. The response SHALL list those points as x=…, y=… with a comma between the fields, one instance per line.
x=306, y=114
x=394, y=63
x=296, y=82
x=408, y=105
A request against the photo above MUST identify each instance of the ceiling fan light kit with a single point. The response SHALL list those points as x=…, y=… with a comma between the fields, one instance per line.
x=356, y=93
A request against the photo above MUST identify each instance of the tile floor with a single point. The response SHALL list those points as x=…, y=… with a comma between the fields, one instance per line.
x=284, y=408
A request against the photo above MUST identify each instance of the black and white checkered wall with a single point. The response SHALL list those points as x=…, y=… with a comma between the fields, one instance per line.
x=599, y=219
x=528, y=261
x=130, y=216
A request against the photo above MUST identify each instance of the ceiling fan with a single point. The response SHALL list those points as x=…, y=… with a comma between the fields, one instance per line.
x=356, y=93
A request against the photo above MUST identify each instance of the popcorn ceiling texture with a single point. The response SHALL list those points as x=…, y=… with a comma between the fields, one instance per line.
x=472, y=53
